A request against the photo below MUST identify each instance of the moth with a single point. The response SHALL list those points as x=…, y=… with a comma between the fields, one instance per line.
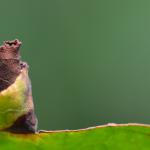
x=21, y=109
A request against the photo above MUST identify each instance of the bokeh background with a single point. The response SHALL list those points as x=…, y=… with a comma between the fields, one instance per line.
x=89, y=59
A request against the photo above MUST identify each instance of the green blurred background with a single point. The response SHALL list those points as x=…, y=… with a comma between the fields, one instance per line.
x=89, y=59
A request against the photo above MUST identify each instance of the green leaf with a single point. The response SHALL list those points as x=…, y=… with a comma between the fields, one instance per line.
x=109, y=137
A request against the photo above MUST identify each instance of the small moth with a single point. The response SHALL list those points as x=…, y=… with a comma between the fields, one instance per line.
x=16, y=104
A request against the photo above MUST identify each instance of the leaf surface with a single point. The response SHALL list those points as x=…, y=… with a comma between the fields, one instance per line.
x=109, y=137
